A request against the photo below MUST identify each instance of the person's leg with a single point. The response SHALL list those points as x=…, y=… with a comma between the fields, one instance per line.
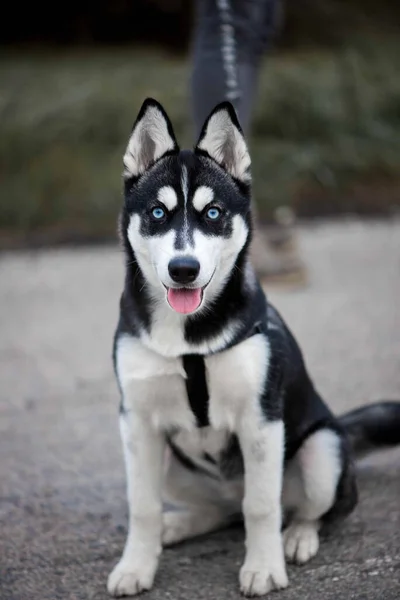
x=229, y=39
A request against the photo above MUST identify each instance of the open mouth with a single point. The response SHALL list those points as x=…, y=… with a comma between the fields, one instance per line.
x=184, y=300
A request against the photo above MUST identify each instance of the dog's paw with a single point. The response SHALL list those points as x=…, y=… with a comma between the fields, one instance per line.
x=257, y=580
x=129, y=578
x=301, y=542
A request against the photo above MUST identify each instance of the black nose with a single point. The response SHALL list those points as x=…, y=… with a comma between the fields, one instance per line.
x=184, y=269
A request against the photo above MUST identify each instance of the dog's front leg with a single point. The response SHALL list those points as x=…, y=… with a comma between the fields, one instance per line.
x=143, y=450
x=262, y=447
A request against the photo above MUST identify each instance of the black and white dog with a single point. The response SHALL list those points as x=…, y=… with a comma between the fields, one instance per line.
x=210, y=376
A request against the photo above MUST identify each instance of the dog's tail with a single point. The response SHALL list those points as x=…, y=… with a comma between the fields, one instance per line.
x=373, y=426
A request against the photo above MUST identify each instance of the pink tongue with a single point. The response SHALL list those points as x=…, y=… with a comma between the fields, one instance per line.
x=184, y=300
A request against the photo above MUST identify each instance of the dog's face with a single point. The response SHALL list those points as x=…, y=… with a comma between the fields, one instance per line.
x=187, y=211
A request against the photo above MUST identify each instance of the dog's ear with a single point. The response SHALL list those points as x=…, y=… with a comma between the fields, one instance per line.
x=152, y=137
x=222, y=139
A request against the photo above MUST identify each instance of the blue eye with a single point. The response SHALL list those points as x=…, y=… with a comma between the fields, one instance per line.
x=158, y=213
x=213, y=213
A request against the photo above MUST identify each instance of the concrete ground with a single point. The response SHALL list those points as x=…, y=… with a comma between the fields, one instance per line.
x=63, y=510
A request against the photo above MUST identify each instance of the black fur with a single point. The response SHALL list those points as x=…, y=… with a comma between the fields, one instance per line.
x=372, y=426
x=196, y=387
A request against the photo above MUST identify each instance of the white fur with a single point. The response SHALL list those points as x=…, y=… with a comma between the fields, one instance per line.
x=301, y=541
x=180, y=524
x=167, y=334
x=154, y=399
x=203, y=195
x=309, y=492
x=312, y=476
x=321, y=467
x=143, y=450
x=236, y=378
x=201, y=502
x=153, y=392
x=226, y=145
x=309, y=487
x=206, y=439
x=216, y=256
x=167, y=196
x=264, y=565
x=153, y=386
x=149, y=140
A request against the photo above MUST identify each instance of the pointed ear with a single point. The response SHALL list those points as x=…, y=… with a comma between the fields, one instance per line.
x=152, y=136
x=223, y=140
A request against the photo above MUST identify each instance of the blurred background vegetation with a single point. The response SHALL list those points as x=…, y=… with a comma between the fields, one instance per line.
x=326, y=132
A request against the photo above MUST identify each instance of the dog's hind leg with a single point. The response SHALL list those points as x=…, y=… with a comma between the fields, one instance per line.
x=309, y=492
x=197, y=502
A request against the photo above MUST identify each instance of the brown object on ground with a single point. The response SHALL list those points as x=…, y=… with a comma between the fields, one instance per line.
x=275, y=251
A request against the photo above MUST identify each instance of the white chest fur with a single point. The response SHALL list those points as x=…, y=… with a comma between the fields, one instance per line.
x=155, y=385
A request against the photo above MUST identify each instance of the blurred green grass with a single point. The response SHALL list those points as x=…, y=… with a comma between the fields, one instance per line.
x=326, y=133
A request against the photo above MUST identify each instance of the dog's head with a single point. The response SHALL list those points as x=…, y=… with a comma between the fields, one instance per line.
x=187, y=213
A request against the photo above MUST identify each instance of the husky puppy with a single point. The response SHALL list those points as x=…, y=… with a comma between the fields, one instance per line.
x=218, y=414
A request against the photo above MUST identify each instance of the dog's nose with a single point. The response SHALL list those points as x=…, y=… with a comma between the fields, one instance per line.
x=184, y=269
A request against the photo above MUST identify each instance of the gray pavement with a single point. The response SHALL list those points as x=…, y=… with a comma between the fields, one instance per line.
x=63, y=511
